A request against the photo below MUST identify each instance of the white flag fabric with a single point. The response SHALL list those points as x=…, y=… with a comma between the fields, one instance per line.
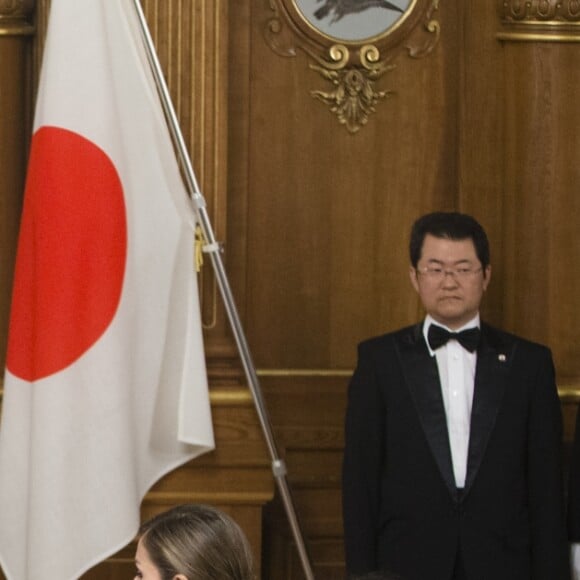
x=105, y=387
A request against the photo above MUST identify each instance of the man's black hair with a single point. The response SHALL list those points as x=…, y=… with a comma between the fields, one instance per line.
x=451, y=226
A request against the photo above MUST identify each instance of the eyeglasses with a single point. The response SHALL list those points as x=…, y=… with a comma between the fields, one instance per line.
x=438, y=274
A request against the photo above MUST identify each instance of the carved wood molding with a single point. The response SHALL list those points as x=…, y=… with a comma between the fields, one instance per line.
x=569, y=392
x=351, y=63
x=539, y=20
x=15, y=17
x=16, y=7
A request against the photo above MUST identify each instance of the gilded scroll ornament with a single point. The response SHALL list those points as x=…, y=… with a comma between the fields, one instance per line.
x=540, y=20
x=433, y=27
x=353, y=44
x=354, y=96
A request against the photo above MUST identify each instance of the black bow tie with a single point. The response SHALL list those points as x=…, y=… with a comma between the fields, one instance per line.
x=468, y=339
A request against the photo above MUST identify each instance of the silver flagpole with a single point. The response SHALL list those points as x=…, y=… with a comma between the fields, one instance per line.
x=212, y=247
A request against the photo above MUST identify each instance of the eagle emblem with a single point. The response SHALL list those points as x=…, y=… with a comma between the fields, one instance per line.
x=341, y=8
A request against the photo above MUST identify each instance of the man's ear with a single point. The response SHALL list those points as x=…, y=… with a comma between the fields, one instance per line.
x=486, y=276
x=413, y=277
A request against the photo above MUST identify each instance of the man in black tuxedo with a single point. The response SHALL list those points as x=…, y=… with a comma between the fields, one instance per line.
x=453, y=433
x=574, y=502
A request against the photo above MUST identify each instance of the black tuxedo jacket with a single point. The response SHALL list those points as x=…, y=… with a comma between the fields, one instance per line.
x=574, y=487
x=402, y=511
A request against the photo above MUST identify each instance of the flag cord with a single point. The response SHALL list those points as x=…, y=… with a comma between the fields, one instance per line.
x=213, y=248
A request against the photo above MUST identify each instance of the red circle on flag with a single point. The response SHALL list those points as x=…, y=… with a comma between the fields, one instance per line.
x=71, y=255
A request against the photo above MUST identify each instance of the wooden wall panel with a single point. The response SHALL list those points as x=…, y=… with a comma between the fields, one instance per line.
x=307, y=411
x=542, y=173
x=328, y=212
x=191, y=37
x=16, y=31
x=480, y=126
x=315, y=222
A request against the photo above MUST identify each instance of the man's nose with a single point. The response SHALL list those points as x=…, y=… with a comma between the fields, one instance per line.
x=449, y=279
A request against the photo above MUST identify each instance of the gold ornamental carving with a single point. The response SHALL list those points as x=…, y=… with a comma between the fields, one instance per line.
x=354, y=94
x=540, y=20
x=352, y=59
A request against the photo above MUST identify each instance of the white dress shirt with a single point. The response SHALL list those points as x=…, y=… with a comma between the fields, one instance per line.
x=575, y=561
x=457, y=377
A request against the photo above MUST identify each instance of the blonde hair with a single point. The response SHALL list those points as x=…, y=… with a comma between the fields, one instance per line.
x=198, y=541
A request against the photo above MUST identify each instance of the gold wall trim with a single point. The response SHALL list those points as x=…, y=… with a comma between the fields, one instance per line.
x=540, y=34
x=536, y=37
x=568, y=392
x=540, y=21
x=16, y=30
x=304, y=372
x=226, y=398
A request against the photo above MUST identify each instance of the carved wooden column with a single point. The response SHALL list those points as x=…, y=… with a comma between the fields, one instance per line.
x=192, y=42
x=16, y=30
x=15, y=33
x=541, y=49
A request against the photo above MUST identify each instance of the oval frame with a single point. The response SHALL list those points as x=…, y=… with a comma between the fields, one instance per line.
x=344, y=18
x=318, y=40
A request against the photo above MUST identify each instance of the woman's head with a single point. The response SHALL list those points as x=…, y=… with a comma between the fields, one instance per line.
x=193, y=542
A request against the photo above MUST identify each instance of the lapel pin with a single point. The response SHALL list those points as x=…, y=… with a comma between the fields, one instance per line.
x=501, y=357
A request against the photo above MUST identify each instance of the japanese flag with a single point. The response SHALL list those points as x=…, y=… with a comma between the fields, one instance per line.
x=105, y=388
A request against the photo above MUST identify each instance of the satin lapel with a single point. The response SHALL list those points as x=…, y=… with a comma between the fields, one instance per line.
x=493, y=363
x=422, y=377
